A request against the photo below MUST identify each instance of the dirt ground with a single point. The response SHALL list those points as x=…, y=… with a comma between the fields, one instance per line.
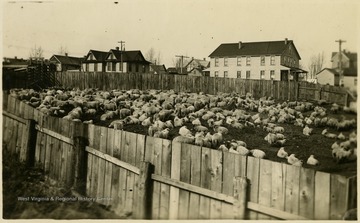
x=302, y=146
x=20, y=181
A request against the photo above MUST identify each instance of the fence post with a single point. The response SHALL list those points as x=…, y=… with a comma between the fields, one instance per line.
x=27, y=152
x=80, y=164
x=143, y=203
x=240, y=192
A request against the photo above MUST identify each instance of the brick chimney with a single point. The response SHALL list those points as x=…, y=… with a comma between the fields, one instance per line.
x=66, y=54
x=286, y=41
x=240, y=44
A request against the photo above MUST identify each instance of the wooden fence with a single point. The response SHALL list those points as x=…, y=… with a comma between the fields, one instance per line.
x=281, y=90
x=187, y=181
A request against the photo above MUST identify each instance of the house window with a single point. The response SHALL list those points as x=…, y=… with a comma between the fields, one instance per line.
x=248, y=61
x=247, y=74
x=91, y=56
x=216, y=73
x=225, y=74
x=87, y=67
x=238, y=74
x=262, y=60
x=225, y=61
x=272, y=60
x=137, y=68
x=262, y=74
x=95, y=67
x=272, y=74
x=109, y=66
x=130, y=67
x=143, y=68
x=216, y=62
x=113, y=66
x=238, y=60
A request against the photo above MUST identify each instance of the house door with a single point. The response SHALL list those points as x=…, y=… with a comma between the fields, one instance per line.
x=284, y=75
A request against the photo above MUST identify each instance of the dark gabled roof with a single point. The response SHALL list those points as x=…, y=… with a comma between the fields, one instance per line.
x=202, y=63
x=329, y=69
x=351, y=56
x=99, y=55
x=348, y=72
x=160, y=69
x=128, y=56
x=68, y=60
x=252, y=49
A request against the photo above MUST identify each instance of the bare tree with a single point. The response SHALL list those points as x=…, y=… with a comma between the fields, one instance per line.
x=152, y=56
x=316, y=64
x=36, y=53
x=63, y=50
x=176, y=62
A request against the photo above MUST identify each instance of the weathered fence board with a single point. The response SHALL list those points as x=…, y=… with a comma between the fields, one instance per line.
x=195, y=168
x=185, y=171
x=205, y=182
x=166, y=172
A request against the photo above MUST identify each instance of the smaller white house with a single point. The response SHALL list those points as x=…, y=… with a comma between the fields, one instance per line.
x=348, y=66
x=331, y=77
x=328, y=76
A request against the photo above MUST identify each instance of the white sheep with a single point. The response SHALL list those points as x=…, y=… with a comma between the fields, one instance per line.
x=342, y=155
x=223, y=148
x=307, y=131
x=242, y=150
x=292, y=159
x=341, y=136
x=184, y=131
x=216, y=139
x=258, y=153
x=146, y=122
x=241, y=143
x=169, y=124
x=200, y=128
x=117, y=124
x=328, y=134
x=282, y=153
x=178, y=122
x=312, y=161
x=196, y=122
x=221, y=129
x=184, y=139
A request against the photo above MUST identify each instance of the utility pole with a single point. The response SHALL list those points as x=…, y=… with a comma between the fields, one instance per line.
x=121, y=49
x=340, y=41
x=182, y=60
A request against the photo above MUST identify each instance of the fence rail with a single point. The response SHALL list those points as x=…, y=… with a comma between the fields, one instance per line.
x=186, y=182
x=282, y=90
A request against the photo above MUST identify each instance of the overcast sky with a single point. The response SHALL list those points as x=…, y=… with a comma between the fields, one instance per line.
x=174, y=27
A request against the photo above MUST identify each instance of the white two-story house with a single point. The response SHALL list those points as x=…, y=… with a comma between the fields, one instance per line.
x=271, y=60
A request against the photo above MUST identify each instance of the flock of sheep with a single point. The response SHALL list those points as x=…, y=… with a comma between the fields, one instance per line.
x=202, y=119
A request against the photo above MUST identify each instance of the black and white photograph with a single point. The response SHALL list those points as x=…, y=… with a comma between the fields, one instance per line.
x=179, y=110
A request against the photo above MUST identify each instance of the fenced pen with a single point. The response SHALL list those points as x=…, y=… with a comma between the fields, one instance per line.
x=160, y=179
x=281, y=90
